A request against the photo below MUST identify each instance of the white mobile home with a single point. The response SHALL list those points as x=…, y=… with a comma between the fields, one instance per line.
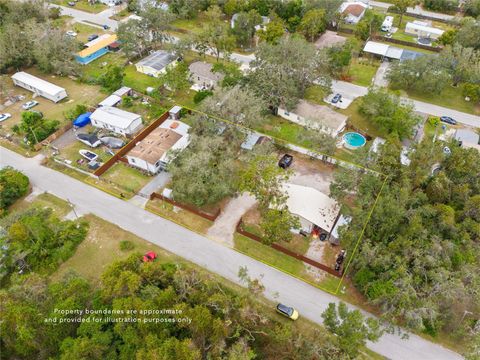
x=387, y=24
x=116, y=120
x=422, y=30
x=39, y=86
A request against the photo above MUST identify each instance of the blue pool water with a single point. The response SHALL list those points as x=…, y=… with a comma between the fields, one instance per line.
x=354, y=140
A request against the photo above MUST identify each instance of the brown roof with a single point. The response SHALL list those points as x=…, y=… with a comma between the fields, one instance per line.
x=157, y=143
x=354, y=9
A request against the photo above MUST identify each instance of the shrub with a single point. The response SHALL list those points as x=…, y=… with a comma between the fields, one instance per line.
x=200, y=95
x=126, y=245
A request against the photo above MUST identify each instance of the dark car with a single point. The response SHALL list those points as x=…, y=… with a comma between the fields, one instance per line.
x=285, y=161
x=448, y=120
x=105, y=27
x=92, y=37
x=337, y=98
x=287, y=311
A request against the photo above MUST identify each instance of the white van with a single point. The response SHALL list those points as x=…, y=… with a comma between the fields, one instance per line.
x=387, y=24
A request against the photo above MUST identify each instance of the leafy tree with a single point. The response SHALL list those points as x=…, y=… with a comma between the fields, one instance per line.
x=352, y=329
x=369, y=25
x=134, y=37
x=472, y=91
x=469, y=33
x=472, y=8
x=313, y=24
x=339, y=57
x=282, y=82
x=13, y=185
x=273, y=32
x=276, y=225
x=244, y=27
x=441, y=5
x=35, y=127
x=448, y=37
x=175, y=78
x=200, y=95
x=185, y=9
x=112, y=78
x=73, y=113
x=387, y=112
x=402, y=6
x=232, y=75
x=215, y=36
x=462, y=63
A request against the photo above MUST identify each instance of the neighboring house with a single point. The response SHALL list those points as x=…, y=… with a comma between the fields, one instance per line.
x=318, y=117
x=144, y=4
x=422, y=30
x=265, y=21
x=202, y=76
x=116, y=97
x=39, y=86
x=467, y=138
x=96, y=48
x=353, y=11
x=156, y=63
x=391, y=52
x=313, y=208
x=111, y=2
x=116, y=120
x=153, y=153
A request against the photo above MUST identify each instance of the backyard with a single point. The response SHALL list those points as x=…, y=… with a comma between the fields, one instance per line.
x=83, y=5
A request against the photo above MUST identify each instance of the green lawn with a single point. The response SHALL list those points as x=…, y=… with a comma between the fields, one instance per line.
x=191, y=25
x=127, y=178
x=315, y=94
x=359, y=121
x=451, y=97
x=84, y=30
x=83, y=5
x=362, y=71
x=45, y=200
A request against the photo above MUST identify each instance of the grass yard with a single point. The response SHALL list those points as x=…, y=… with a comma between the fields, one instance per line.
x=285, y=130
x=451, y=97
x=182, y=217
x=45, y=200
x=102, y=247
x=84, y=30
x=315, y=94
x=126, y=178
x=360, y=122
x=83, y=5
x=71, y=153
x=362, y=71
x=191, y=25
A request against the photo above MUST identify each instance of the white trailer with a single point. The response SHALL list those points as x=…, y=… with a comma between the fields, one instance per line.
x=387, y=24
x=39, y=86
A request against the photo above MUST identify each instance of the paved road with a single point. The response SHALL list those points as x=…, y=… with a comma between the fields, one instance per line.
x=101, y=18
x=216, y=258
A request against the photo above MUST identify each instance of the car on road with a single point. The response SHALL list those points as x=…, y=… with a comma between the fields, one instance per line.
x=448, y=120
x=337, y=98
x=287, y=311
x=5, y=116
x=285, y=161
x=105, y=27
x=149, y=257
x=71, y=33
x=92, y=37
x=29, y=104
x=71, y=3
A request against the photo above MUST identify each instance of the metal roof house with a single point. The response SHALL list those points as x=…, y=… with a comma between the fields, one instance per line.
x=156, y=63
x=153, y=153
x=467, y=138
x=390, y=52
x=94, y=49
x=39, y=86
x=116, y=120
x=422, y=30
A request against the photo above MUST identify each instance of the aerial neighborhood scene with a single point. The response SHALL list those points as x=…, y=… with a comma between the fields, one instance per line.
x=240, y=179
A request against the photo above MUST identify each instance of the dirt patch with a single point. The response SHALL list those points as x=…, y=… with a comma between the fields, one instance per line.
x=312, y=173
x=329, y=38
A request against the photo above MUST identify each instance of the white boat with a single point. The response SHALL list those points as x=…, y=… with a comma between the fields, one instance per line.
x=88, y=154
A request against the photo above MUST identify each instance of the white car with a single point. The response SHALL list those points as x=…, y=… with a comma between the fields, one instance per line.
x=5, y=116
x=71, y=33
x=29, y=104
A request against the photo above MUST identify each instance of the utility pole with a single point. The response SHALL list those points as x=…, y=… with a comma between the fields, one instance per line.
x=73, y=208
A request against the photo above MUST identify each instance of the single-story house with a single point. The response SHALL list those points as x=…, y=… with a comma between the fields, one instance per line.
x=467, y=138
x=202, y=76
x=318, y=117
x=95, y=49
x=252, y=139
x=422, y=30
x=39, y=86
x=153, y=153
x=156, y=63
x=111, y=2
x=353, y=11
x=312, y=207
x=390, y=52
x=116, y=120
x=145, y=4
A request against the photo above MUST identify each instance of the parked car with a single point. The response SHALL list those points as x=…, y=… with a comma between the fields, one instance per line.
x=448, y=120
x=105, y=27
x=29, y=104
x=149, y=257
x=287, y=311
x=285, y=161
x=71, y=33
x=5, y=116
x=71, y=3
x=337, y=98
x=92, y=37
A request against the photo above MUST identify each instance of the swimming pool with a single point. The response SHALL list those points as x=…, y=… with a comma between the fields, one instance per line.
x=354, y=140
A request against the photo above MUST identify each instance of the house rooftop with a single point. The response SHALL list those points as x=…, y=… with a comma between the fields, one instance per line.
x=37, y=83
x=104, y=42
x=114, y=116
x=204, y=69
x=157, y=60
x=355, y=9
x=320, y=115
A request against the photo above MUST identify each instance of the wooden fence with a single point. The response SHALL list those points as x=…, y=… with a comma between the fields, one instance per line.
x=288, y=252
x=124, y=150
x=192, y=209
x=53, y=136
x=406, y=43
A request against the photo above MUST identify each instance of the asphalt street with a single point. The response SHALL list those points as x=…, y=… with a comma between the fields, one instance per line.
x=219, y=259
